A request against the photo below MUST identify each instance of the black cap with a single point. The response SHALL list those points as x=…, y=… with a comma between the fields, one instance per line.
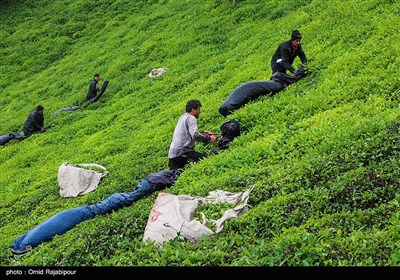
x=296, y=35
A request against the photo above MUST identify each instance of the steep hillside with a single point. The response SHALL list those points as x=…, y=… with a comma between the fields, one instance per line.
x=322, y=154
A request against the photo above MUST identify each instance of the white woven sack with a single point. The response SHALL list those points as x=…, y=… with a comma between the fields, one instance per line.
x=76, y=179
x=173, y=216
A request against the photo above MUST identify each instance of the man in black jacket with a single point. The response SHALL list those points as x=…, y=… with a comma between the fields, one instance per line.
x=93, y=87
x=35, y=122
x=285, y=54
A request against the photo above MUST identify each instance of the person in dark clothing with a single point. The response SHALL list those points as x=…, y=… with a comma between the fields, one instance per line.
x=93, y=87
x=65, y=220
x=181, y=150
x=35, y=122
x=286, y=52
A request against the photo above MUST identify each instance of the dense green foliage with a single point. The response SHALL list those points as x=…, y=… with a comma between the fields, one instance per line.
x=323, y=154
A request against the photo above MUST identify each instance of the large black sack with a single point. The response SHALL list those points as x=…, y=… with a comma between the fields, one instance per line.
x=247, y=92
x=4, y=139
x=252, y=90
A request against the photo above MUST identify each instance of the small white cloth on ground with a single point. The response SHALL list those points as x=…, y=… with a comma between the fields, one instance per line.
x=173, y=215
x=157, y=72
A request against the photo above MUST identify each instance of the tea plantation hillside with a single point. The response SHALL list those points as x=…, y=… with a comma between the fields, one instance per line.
x=322, y=155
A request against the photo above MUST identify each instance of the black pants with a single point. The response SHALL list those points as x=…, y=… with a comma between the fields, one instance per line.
x=28, y=133
x=276, y=68
x=183, y=160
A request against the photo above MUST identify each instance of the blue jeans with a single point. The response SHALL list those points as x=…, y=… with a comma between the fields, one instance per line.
x=63, y=221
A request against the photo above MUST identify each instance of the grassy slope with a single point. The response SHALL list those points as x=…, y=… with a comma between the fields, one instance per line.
x=322, y=154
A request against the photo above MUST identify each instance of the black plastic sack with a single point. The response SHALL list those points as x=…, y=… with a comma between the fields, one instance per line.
x=247, y=92
x=229, y=131
x=252, y=90
x=4, y=139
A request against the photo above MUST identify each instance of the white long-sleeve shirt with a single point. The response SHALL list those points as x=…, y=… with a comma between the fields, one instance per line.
x=185, y=134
